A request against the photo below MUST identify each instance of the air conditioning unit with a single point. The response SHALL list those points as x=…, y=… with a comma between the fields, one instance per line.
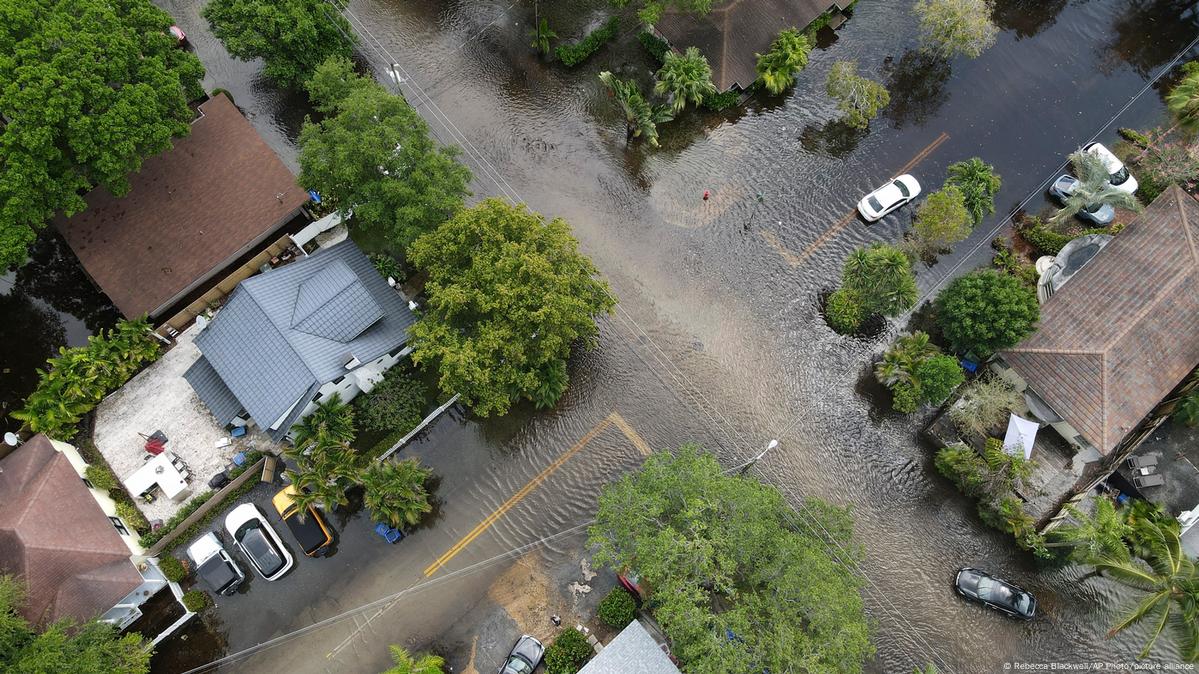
x=351, y=361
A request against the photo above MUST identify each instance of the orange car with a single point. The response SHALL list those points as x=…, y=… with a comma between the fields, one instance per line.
x=311, y=531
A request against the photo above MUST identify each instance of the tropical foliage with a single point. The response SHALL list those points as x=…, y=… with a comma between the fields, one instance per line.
x=983, y=405
x=292, y=37
x=952, y=28
x=63, y=646
x=1188, y=409
x=396, y=403
x=985, y=311
x=941, y=221
x=395, y=492
x=990, y=476
x=879, y=279
x=79, y=377
x=651, y=10
x=917, y=372
x=90, y=88
x=1094, y=189
x=978, y=184
x=572, y=54
x=788, y=55
x=326, y=464
x=373, y=155
x=734, y=542
x=859, y=99
x=685, y=77
x=509, y=294
x=540, y=34
x=1183, y=99
x=407, y=663
x=1101, y=534
x=641, y=118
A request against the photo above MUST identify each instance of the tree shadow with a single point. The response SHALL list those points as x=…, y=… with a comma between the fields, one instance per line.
x=1148, y=33
x=54, y=276
x=833, y=139
x=1026, y=18
x=917, y=85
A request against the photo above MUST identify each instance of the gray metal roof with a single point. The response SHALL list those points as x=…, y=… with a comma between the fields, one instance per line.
x=285, y=332
x=633, y=651
x=212, y=391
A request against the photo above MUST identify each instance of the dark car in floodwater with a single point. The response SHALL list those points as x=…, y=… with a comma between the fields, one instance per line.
x=996, y=593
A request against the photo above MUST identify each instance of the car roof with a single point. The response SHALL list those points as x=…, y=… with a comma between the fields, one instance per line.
x=1110, y=160
x=888, y=194
x=285, y=498
x=217, y=572
x=259, y=547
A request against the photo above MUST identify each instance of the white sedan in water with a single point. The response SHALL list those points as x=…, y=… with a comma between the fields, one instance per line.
x=889, y=197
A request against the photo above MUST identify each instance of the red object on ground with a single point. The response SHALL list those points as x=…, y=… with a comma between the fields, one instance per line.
x=155, y=446
x=707, y=194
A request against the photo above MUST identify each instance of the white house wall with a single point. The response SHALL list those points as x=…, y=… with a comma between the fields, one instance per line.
x=106, y=504
x=359, y=380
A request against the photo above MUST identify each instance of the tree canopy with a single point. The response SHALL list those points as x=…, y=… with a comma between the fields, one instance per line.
x=641, y=118
x=739, y=581
x=292, y=37
x=88, y=89
x=373, y=156
x=858, y=98
x=978, y=183
x=882, y=276
x=686, y=77
x=956, y=27
x=788, y=55
x=1183, y=99
x=63, y=647
x=985, y=311
x=651, y=10
x=509, y=294
x=941, y=221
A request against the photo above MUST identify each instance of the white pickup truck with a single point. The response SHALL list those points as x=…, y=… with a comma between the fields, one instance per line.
x=213, y=565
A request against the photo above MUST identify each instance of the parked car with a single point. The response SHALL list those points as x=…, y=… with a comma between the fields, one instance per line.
x=1065, y=185
x=889, y=197
x=258, y=541
x=524, y=656
x=177, y=33
x=311, y=531
x=1120, y=178
x=995, y=593
x=214, y=567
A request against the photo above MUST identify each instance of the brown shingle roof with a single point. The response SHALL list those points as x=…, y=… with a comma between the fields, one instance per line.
x=735, y=30
x=191, y=211
x=55, y=537
x=1122, y=333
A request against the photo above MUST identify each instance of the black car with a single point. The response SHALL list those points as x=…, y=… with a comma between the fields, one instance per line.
x=995, y=593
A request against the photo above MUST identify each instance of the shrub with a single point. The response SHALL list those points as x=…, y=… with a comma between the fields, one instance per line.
x=1135, y=137
x=938, y=377
x=962, y=466
x=149, y=539
x=656, y=46
x=618, y=608
x=396, y=403
x=845, y=311
x=1048, y=242
x=196, y=600
x=575, y=53
x=1188, y=409
x=941, y=221
x=132, y=516
x=917, y=372
x=722, y=101
x=387, y=265
x=569, y=652
x=979, y=184
x=1007, y=261
x=904, y=398
x=172, y=568
x=882, y=276
x=985, y=311
x=984, y=404
x=101, y=477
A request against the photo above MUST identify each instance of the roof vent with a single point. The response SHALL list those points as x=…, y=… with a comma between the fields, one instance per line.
x=351, y=361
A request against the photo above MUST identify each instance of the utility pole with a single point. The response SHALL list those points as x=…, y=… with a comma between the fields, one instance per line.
x=750, y=464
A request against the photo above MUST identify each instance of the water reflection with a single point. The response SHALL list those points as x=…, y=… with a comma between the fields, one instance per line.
x=1148, y=33
x=54, y=276
x=917, y=85
x=1026, y=18
x=833, y=139
x=29, y=333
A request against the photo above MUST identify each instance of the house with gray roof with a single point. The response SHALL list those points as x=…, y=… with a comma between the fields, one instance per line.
x=297, y=334
x=633, y=651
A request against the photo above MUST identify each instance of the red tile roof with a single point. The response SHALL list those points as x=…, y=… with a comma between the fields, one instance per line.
x=1122, y=333
x=191, y=211
x=55, y=537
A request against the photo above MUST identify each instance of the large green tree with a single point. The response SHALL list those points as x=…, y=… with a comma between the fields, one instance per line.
x=728, y=555
x=373, y=156
x=881, y=275
x=88, y=88
x=407, y=663
x=859, y=99
x=326, y=465
x=685, y=77
x=292, y=37
x=63, y=647
x=985, y=311
x=941, y=221
x=788, y=55
x=509, y=294
x=956, y=27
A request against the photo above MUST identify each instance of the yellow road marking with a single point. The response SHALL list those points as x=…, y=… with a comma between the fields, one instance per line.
x=795, y=260
x=613, y=418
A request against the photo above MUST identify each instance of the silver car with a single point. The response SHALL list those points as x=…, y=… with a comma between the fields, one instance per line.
x=524, y=656
x=1100, y=214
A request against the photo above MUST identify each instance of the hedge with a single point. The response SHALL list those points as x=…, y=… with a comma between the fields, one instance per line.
x=196, y=600
x=132, y=516
x=617, y=609
x=207, y=519
x=575, y=53
x=167, y=527
x=1046, y=241
x=569, y=652
x=172, y=568
x=656, y=46
x=101, y=477
x=722, y=101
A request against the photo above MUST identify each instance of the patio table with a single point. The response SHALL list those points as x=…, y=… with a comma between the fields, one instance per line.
x=160, y=471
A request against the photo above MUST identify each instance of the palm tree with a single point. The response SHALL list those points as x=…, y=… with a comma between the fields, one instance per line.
x=1183, y=99
x=395, y=492
x=788, y=55
x=406, y=663
x=685, y=78
x=641, y=118
x=979, y=184
x=541, y=35
x=1099, y=535
x=332, y=421
x=1093, y=189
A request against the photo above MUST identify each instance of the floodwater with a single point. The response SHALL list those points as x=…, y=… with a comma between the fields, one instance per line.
x=718, y=338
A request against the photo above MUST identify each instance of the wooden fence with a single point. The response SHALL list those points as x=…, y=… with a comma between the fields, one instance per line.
x=253, y=472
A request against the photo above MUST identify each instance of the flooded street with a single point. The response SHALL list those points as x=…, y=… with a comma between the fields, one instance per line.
x=718, y=337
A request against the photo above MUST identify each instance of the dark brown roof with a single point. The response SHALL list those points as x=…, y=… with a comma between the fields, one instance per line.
x=55, y=537
x=736, y=30
x=1122, y=333
x=191, y=211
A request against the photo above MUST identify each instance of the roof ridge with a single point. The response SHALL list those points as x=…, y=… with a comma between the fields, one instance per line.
x=1104, y=406
x=280, y=332
x=1163, y=292
x=1179, y=195
x=1062, y=352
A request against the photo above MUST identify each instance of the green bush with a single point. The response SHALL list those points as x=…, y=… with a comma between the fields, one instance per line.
x=985, y=311
x=656, y=46
x=101, y=477
x=917, y=372
x=387, y=265
x=1046, y=241
x=938, y=376
x=575, y=53
x=722, y=101
x=962, y=466
x=196, y=600
x=149, y=539
x=569, y=652
x=845, y=311
x=397, y=403
x=172, y=568
x=132, y=516
x=1135, y=137
x=618, y=608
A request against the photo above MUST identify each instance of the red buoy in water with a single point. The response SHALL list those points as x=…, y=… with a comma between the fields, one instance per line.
x=707, y=194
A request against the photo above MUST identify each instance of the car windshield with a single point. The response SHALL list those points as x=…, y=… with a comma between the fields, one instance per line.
x=903, y=189
x=873, y=201
x=262, y=551
x=1119, y=177
x=995, y=591
x=1021, y=602
x=517, y=665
